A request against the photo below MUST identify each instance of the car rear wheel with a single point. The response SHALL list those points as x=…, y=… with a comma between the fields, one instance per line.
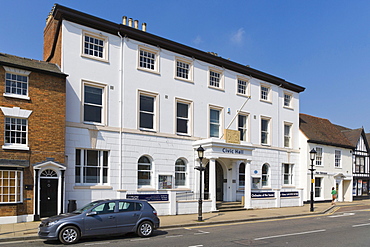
x=145, y=229
x=69, y=235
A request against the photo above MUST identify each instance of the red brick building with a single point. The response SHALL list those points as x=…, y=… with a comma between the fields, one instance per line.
x=32, y=139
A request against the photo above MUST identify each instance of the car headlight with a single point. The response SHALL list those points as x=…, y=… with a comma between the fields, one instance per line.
x=51, y=223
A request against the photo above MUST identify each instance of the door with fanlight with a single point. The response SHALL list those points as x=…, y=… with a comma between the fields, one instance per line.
x=48, y=193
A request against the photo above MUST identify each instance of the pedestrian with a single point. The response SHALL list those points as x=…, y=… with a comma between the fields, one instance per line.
x=333, y=195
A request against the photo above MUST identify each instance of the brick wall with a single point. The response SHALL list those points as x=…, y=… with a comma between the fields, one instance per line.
x=46, y=130
x=49, y=36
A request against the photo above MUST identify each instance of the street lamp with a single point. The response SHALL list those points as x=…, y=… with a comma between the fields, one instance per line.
x=200, y=168
x=312, y=158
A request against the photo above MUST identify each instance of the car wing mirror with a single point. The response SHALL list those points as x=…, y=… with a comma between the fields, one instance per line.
x=91, y=213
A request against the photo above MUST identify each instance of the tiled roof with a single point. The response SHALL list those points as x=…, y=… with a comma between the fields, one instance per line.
x=30, y=64
x=353, y=135
x=322, y=131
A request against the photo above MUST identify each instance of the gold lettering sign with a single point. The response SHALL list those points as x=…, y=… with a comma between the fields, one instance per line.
x=232, y=136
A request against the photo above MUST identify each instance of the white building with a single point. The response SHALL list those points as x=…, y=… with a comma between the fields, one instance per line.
x=333, y=162
x=138, y=107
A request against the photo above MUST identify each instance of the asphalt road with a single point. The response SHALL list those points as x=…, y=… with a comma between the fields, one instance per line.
x=343, y=228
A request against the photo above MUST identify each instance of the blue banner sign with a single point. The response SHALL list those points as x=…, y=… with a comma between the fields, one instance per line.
x=289, y=194
x=262, y=194
x=148, y=197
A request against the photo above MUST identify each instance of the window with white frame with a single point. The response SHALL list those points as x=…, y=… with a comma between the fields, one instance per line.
x=318, y=188
x=337, y=158
x=183, y=114
x=183, y=69
x=287, y=100
x=94, y=103
x=16, y=84
x=319, y=156
x=287, y=135
x=15, y=128
x=214, y=122
x=11, y=186
x=288, y=174
x=215, y=78
x=265, y=93
x=91, y=166
x=242, y=86
x=148, y=59
x=266, y=175
x=147, y=108
x=242, y=175
x=144, y=171
x=16, y=131
x=94, y=45
x=265, y=129
x=180, y=172
x=242, y=126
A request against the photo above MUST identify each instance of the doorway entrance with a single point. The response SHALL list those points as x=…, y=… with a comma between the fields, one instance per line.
x=219, y=182
x=48, y=193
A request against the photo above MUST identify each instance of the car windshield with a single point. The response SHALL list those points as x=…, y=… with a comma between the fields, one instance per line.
x=85, y=208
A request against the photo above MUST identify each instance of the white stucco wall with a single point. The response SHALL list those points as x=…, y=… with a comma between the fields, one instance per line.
x=163, y=146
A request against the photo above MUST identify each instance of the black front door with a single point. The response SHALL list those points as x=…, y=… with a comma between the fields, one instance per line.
x=48, y=197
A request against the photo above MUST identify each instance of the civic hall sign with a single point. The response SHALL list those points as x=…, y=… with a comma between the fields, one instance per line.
x=232, y=151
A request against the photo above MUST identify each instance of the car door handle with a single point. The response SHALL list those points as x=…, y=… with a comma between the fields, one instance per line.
x=111, y=217
x=136, y=214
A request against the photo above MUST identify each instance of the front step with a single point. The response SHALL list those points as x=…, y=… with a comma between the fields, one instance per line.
x=229, y=206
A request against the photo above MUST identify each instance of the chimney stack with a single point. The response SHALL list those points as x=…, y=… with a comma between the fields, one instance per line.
x=124, y=20
x=133, y=23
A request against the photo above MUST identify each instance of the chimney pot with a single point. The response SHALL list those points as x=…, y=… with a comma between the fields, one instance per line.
x=130, y=22
x=124, y=20
x=143, y=27
x=136, y=24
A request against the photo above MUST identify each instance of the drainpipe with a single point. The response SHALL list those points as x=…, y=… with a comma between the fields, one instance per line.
x=120, y=110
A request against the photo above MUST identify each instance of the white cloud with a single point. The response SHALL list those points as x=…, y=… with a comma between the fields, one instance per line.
x=238, y=36
x=198, y=40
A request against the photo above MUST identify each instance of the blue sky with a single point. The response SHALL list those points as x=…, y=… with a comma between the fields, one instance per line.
x=321, y=45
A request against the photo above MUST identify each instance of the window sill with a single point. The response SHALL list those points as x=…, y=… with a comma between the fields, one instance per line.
x=185, y=80
x=149, y=70
x=92, y=187
x=243, y=95
x=146, y=189
x=16, y=96
x=288, y=108
x=217, y=88
x=148, y=130
x=266, y=101
x=95, y=58
x=93, y=123
x=288, y=186
x=16, y=147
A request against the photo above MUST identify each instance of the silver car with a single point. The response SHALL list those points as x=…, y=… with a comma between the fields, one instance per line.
x=101, y=218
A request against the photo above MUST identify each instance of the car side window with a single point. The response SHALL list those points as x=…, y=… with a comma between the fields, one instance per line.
x=105, y=208
x=126, y=206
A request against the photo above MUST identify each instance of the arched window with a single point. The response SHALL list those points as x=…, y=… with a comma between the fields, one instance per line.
x=265, y=175
x=143, y=171
x=48, y=173
x=241, y=175
x=180, y=172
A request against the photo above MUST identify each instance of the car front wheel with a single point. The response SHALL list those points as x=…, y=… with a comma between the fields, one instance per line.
x=69, y=235
x=145, y=229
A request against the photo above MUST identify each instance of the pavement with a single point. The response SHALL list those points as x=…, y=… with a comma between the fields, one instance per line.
x=28, y=230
